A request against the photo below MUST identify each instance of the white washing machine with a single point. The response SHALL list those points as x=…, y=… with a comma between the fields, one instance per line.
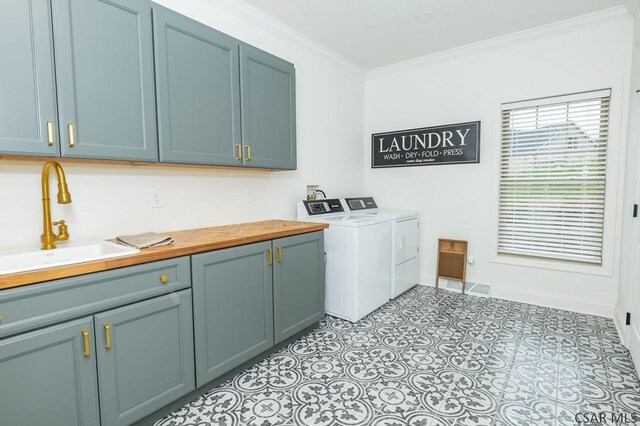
x=405, y=242
x=358, y=248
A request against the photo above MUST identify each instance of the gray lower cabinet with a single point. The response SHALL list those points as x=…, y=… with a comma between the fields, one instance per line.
x=105, y=81
x=27, y=87
x=130, y=341
x=248, y=298
x=233, y=308
x=65, y=375
x=48, y=377
x=268, y=103
x=198, y=91
x=145, y=357
x=298, y=283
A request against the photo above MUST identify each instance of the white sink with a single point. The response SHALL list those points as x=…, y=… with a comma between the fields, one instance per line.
x=65, y=254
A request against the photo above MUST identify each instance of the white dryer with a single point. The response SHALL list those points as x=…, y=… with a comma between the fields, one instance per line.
x=358, y=248
x=405, y=242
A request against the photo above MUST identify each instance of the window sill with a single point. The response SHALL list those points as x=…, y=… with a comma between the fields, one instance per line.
x=554, y=265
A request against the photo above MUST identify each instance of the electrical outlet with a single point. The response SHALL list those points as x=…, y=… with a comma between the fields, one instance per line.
x=311, y=191
x=156, y=200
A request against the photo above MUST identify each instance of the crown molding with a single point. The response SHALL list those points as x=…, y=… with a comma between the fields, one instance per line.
x=632, y=6
x=604, y=16
x=268, y=23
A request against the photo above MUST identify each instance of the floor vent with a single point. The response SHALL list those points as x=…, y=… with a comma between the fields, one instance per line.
x=474, y=289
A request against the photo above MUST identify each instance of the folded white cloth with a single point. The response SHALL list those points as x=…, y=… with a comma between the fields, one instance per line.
x=148, y=239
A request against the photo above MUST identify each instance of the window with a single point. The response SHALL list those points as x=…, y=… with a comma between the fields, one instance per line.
x=552, y=177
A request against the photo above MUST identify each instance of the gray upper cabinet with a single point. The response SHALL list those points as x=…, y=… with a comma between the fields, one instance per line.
x=232, y=308
x=145, y=357
x=27, y=87
x=267, y=88
x=298, y=283
x=85, y=79
x=49, y=377
x=198, y=91
x=104, y=63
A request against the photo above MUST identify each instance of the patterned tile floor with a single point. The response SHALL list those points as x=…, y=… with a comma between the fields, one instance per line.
x=434, y=358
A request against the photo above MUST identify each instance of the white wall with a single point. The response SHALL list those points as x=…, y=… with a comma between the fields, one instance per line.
x=629, y=293
x=109, y=200
x=461, y=201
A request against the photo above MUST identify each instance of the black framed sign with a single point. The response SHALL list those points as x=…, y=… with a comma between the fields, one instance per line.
x=450, y=144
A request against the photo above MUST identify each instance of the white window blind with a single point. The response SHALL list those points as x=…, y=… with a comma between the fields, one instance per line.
x=552, y=178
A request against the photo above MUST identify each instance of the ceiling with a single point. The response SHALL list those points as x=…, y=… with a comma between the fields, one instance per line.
x=375, y=33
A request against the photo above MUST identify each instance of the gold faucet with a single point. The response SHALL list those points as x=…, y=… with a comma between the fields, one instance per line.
x=48, y=238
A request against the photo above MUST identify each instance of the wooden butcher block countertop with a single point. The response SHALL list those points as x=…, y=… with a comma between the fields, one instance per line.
x=187, y=242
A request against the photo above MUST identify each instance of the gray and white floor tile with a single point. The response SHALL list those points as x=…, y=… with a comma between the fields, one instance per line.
x=434, y=358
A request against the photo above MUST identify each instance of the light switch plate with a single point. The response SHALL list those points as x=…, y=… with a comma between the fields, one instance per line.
x=156, y=200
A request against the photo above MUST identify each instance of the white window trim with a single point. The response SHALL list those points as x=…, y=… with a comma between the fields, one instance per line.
x=613, y=202
x=549, y=100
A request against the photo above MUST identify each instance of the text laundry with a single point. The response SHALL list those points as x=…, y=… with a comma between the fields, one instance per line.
x=429, y=140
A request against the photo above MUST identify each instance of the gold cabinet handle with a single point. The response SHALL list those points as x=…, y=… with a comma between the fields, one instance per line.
x=269, y=256
x=239, y=148
x=50, y=133
x=107, y=336
x=85, y=335
x=279, y=254
x=72, y=136
x=248, y=152
x=0, y=317
x=164, y=279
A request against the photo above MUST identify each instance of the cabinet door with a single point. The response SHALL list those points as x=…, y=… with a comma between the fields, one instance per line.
x=147, y=361
x=48, y=378
x=233, y=308
x=268, y=109
x=104, y=63
x=298, y=283
x=27, y=87
x=198, y=87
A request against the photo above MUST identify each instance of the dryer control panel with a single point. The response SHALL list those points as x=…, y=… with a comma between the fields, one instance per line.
x=318, y=207
x=360, y=203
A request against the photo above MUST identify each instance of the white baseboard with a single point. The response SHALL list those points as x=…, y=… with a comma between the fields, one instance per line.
x=629, y=336
x=623, y=330
x=573, y=304
x=634, y=346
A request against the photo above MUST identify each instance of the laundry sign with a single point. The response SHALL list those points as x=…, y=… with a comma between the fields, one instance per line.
x=450, y=144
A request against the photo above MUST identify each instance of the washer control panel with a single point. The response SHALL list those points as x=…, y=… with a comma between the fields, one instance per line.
x=318, y=207
x=361, y=203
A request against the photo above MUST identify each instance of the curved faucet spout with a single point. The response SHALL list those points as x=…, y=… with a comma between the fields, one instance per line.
x=48, y=237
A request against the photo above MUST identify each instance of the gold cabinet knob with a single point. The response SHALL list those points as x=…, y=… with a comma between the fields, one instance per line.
x=164, y=279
